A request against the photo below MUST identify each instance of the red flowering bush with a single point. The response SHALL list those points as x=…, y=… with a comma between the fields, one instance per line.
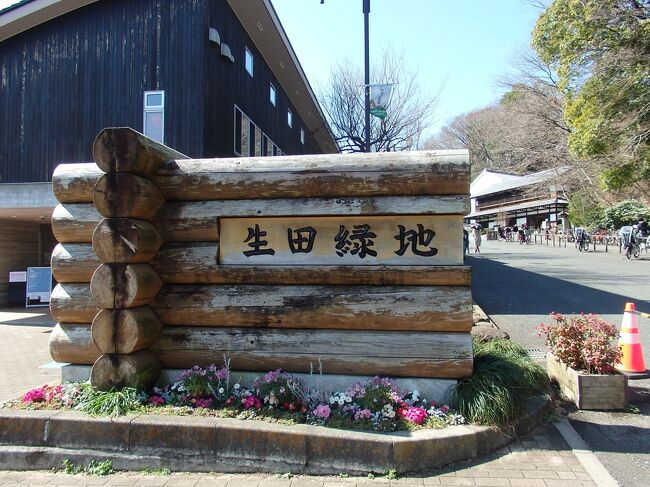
x=584, y=342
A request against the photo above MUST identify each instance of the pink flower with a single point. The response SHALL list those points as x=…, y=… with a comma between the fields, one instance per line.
x=322, y=411
x=412, y=414
x=156, y=400
x=251, y=402
x=203, y=403
x=444, y=409
x=362, y=414
x=35, y=395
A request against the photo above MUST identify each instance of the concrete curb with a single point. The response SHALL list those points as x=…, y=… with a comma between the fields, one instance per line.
x=37, y=440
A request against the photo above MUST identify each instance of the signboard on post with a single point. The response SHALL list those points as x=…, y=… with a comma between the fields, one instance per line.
x=39, y=286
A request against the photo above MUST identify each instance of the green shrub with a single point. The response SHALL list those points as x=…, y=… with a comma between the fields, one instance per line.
x=504, y=378
x=626, y=212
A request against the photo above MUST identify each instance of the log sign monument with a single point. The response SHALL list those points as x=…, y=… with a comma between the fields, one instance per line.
x=348, y=263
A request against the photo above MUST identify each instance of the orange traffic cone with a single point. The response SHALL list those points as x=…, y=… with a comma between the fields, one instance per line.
x=630, y=343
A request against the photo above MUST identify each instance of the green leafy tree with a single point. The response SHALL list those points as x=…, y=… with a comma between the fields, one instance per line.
x=601, y=51
x=626, y=212
x=583, y=212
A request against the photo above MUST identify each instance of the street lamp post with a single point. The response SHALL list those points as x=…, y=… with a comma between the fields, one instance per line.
x=366, y=36
x=366, y=25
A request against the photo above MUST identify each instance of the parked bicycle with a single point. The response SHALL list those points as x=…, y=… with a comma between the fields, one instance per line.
x=581, y=239
x=631, y=241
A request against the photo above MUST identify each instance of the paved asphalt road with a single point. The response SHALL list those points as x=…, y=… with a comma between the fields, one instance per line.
x=518, y=286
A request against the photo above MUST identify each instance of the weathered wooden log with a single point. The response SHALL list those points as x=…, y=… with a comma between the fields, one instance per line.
x=122, y=149
x=120, y=286
x=73, y=262
x=415, y=308
x=196, y=221
x=125, y=331
x=196, y=263
x=412, y=308
x=74, y=183
x=73, y=303
x=309, y=176
x=375, y=174
x=126, y=195
x=441, y=355
x=74, y=223
x=73, y=343
x=126, y=240
x=139, y=370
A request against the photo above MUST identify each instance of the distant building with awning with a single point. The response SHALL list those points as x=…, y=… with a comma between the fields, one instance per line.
x=499, y=198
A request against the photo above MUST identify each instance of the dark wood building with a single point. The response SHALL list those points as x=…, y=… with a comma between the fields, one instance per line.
x=504, y=199
x=210, y=78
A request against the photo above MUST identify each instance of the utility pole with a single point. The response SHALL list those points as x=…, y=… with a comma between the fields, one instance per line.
x=366, y=39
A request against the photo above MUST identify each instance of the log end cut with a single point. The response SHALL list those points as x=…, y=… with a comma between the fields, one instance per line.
x=139, y=370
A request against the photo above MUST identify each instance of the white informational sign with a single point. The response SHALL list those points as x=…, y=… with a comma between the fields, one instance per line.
x=39, y=286
x=18, y=276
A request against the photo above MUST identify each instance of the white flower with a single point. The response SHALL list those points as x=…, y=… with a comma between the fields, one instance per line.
x=391, y=414
x=236, y=386
x=348, y=399
x=332, y=400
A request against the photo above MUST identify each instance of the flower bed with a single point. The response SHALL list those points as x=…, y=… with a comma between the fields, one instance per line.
x=376, y=404
x=582, y=358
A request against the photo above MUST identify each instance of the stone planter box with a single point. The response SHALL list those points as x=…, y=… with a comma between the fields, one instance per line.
x=588, y=391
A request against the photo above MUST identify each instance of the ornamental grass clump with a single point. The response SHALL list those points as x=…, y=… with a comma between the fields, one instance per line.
x=585, y=342
x=504, y=379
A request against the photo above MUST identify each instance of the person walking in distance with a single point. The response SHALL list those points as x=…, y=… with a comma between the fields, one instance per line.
x=476, y=233
x=465, y=242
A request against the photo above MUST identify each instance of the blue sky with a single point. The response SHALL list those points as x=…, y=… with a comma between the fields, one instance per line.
x=463, y=45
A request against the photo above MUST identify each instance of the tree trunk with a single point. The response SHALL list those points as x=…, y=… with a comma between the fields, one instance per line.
x=125, y=331
x=435, y=355
x=74, y=183
x=120, y=286
x=73, y=262
x=72, y=343
x=126, y=240
x=196, y=263
x=127, y=195
x=122, y=149
x=72, y=303
x=74, y=223
x=139, y=370
x=421, y=173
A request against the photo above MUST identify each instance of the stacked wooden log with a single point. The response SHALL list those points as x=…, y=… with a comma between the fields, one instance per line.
x=122, y=282
x=139, y=258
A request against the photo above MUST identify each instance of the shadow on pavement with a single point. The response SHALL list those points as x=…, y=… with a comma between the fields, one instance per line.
x=507, y=290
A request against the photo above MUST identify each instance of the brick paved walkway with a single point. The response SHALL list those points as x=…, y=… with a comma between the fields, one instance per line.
x=24, y=337
x=542, y=459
